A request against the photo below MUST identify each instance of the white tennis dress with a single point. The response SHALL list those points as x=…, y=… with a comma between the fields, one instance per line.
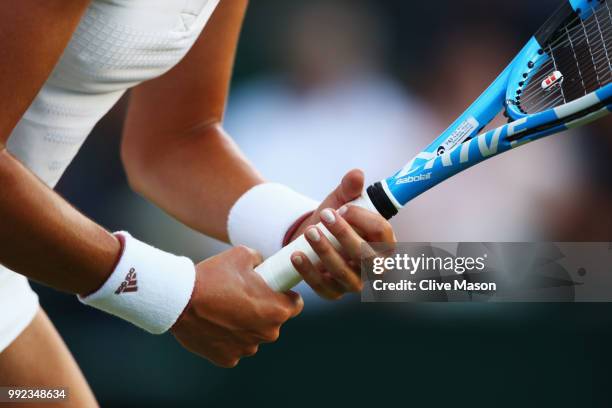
x=117, y=45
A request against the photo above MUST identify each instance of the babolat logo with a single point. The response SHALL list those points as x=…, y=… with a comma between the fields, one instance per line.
x=414, y=179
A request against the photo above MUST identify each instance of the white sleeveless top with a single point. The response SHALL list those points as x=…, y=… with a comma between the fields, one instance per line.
x=117, y=45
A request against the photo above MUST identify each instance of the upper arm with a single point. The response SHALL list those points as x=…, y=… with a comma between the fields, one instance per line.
x=194, y=93
x=33, y=35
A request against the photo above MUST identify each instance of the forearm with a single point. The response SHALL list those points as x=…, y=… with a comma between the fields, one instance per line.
x=196, y=178
x=174, y=149
x=46, y=239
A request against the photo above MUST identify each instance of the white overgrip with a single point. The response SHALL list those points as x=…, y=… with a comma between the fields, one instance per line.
x=278, y=271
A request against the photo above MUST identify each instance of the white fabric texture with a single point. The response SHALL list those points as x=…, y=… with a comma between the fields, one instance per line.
x=263, y=215
x=18, y=306
x=149, y=287
x=117, y=45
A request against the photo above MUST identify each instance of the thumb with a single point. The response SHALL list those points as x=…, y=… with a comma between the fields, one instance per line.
x=349, y=189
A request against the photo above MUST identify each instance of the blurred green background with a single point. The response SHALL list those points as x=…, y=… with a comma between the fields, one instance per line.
x=378, y=80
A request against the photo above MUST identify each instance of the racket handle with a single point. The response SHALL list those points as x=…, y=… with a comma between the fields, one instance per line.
x=278, y=271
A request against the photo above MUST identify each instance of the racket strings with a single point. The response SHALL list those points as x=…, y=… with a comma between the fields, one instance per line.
x=581, y=53
x=581, y=72
x=565, y=54
x=579, y=28
x=603, y=36
x=588, y=53
x=598, y=61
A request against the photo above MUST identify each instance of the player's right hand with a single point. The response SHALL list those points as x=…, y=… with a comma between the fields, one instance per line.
x=232, y=310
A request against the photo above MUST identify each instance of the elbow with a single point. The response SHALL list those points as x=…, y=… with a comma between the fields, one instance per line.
x=135, y=181
x=136, y=166
x=146, y=159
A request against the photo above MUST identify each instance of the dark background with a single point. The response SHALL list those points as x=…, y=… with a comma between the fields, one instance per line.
x=352, y=354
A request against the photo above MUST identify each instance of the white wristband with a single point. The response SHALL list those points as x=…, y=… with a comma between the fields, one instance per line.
x=149, y=287
x=263, y=215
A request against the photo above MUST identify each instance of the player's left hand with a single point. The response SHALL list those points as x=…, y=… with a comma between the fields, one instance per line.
x=339, y=271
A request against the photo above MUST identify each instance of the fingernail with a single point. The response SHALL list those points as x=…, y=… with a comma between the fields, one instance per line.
x=328, y=216
x=297, y=260
x=343, y=210
x=313, y=235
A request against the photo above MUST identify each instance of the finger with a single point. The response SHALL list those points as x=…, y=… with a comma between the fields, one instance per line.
x=349, y=189
x=351, y=185
x=229, y=362
x=352, y=244
x=293, y=302
x=269, y=336
x=249, y=351
x=224, y=361
x=313, y=277
x=249, y=255
x=329, y=282
x=333, y=262
x=372, y=227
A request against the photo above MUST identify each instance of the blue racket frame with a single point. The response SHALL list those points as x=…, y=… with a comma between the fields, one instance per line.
x=459, y=147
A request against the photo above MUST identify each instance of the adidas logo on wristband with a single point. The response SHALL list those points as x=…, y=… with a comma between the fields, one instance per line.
x=129, y=284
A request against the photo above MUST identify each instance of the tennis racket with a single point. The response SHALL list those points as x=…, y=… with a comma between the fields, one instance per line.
x=561, y=79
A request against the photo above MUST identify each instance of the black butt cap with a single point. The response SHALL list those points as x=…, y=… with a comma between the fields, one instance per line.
x=380, y=200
